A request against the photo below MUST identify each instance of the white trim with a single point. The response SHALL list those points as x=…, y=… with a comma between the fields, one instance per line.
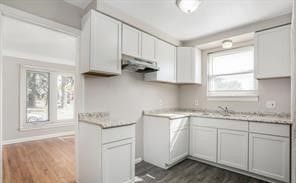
x=1, y=96
x=40, y=58
x=46, y=126
x=40, y=137
x=235, y=93
x=233, y=99
x=28, y=17
x=138, y=160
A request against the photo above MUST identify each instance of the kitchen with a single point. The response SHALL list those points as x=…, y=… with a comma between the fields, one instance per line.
x=159, y=103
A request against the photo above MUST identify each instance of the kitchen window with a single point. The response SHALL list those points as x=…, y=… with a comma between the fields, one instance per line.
x=47, y=98
x=231, y=73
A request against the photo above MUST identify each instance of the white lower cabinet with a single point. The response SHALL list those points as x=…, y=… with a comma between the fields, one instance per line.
x=203, y=143
x=106, y=155
x=118, y=161
x=270, y=156
x=179, y=144
x=233, y=148
x=261, y=149
x=166, y=141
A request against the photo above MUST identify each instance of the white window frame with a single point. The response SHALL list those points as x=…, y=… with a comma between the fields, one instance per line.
x=52, y=108
x=235, y=95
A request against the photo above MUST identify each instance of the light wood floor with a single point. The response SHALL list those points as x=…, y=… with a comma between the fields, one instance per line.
x=52, y=161
x=44, y=161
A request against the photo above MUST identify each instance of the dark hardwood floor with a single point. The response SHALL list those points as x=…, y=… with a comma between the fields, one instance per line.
x=189, y=171
x=52, y=161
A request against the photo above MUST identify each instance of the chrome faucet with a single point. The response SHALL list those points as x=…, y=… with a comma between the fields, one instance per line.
x=225, y=110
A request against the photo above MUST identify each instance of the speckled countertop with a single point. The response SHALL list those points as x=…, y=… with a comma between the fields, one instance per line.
x=102, y=119
x=281, y=118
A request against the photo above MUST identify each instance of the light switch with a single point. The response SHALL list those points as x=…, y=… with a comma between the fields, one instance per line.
x=270, y=104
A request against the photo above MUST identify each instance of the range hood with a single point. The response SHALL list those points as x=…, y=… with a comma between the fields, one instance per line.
x=141, y=66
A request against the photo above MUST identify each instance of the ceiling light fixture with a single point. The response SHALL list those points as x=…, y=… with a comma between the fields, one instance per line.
x=188, y=6
x=226, y=44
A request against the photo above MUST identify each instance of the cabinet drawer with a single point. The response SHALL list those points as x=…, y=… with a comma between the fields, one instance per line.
x=220, y=123
x=271, y=129
x=177, y=124
x=118, y=133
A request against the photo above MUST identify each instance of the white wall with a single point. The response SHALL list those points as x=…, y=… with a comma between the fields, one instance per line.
x=126, y=96
x=273, y=89
x=11, y=98
x=278, y=90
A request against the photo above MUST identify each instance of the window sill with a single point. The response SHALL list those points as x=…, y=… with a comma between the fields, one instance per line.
x=234, y=98
x=46, y=125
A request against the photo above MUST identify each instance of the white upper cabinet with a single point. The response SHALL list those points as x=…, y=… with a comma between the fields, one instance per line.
x=272, y=53
x=148, y=47
x=188, y=65
x=166, y=61
x=131, y=41
x=138, y=44
x=100, y=45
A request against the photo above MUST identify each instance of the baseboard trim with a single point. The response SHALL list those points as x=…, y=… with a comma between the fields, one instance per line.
x=138, y=160
x=40, y=137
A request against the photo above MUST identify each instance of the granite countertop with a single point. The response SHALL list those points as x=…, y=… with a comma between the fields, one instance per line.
x=280, y=118
x=102, y=119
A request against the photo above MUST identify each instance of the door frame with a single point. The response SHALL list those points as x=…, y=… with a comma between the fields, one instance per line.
x=31, y=18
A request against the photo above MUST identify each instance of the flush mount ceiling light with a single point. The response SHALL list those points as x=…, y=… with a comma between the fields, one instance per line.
x=188, y=6
x=226, y=44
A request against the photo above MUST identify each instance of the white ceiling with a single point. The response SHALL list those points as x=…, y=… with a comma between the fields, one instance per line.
x=211, y=17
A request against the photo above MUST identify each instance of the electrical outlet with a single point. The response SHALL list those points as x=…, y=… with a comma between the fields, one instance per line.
x=196, y=102
x=270, y=104
x=160, y=102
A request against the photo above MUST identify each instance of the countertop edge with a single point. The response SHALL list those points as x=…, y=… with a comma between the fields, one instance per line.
x=108, y=127
x=247, y=119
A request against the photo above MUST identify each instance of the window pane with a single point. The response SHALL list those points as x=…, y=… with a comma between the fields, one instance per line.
x=233, y=61
x=37, y=96
x=65, y=98
x=233, y=82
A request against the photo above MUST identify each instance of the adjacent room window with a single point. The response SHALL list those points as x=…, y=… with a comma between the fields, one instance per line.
x=231, y=73
x=65, y=96
x=47, y=97
x=37, y=96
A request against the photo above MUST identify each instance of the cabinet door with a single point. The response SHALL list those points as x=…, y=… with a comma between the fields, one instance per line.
x=184, y=65
x=179, y=141
x=118, y=160
x=131, y=41
x=188, y=65
x=148, y=47
x=272, y=53
x=269, y=156
x=233, y=148
x=203, y=143
x=166, y=60
x=105, y=44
